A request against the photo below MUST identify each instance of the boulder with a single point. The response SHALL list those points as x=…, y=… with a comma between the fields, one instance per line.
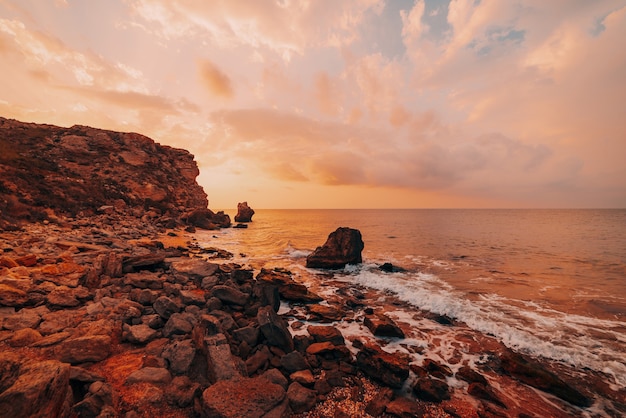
x=389, y=369
x=287, y=287
x=244, y=212
x=324, y=313
x=243, y=397
x=383, y=326
x=343, y=246
x=84, y=349
x=274, y=329
x=182, y=391
x=431, y=390
x=139, y=334
x=179, y=355
x=230, y=295
x=40, y=390
x=10, y=296
x=207, y=219
x=165, y=307
x=300, y=398
x=323, y=333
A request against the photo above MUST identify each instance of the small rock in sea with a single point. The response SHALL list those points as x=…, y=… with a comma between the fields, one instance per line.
x=343, y=246
x=244, y=213
x=390, y=268
x=240, y=226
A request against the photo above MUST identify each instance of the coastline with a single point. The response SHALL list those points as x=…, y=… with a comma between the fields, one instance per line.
x=84, y=293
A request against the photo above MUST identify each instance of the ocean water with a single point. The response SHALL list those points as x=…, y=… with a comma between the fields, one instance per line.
x=549, y=283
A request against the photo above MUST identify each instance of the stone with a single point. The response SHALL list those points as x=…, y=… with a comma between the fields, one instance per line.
x=25, y=318
x=182, y=391
x=329, y=350
x=376, y=406
x=324, y=313
x=300, y=398
x=405, y=408
x=40, y=390
x=10, y=296
x=244, y=212
x=287, y=287
x=24, y=337
x=165, y=307
x=343, y=246
x=193, y=297
x=144, y=280
x=383, y=326
x=140, y=334
x=274, y=329
x=194, y=268
x=177, y=324
x=470, y=375
x=99, y=398
x=179, y=355
x=275, y=376
x=84, y=349
x=62, y=296
x=304, y=377
x=533, y=374
x=243, y=397
x=480, y=391
x=230, y=295
x=206, y=219
x=293, y=361
x=221, y=364
x=389, y=369
x=249, y=334
x=431, y=390
x=154, y=375
x=323, y=333
x=436, y=369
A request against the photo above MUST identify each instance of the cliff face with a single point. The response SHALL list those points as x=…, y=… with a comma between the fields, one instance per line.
x=80, y=169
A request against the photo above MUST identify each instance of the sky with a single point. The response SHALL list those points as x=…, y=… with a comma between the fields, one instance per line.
x=342, y=104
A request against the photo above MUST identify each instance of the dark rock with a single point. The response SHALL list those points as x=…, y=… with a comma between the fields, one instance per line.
x=436, y=369
x=405, y=408
x=241, y=226
x=383, y=326
x=179, y=355
x=275, y=376
x=534, y=374
x=390, y=268
x=274, y=329
x=431, y=390
x=178, y=324
x=480, y=391
x=243, y=397
x=329, y=350
x=182, y=391
x=249, y=334
x=470, y=375
x=40, y=390
x=287, y=287
x=230, y=295
x=342, y=247
x=244, y=212
x=221, y=365
x=300, y=398
x=376, y=407
x=24, y=337
x=304, y=377
x=100, y=397
x=154, y=375
x=165, y=307
x=206, y=219
x=258, y=360
x=139, y=334
x=389, y=369
x=293, y=361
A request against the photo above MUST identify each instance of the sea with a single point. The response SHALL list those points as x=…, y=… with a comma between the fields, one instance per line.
x=547, y=283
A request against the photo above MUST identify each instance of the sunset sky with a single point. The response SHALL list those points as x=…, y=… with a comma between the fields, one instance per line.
x=339, y=104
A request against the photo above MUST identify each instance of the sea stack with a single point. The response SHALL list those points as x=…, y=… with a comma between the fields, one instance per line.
x=342, y=247
x=244, y=212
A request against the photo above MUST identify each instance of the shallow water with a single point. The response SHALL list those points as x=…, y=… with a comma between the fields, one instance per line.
x=551, y=283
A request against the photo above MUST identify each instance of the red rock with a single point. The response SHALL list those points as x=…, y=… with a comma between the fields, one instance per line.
x=274, y=329
x=28, y=260
x=431, y=390
x=342, y=247
x=84, y=349
x=244, y=212
x=300, y=398
x=243, y=397
x=322, y=333
x=383, y=326
x=10, y=296
x=389, y=369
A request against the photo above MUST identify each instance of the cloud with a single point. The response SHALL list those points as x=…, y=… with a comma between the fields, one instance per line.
x=217, y=82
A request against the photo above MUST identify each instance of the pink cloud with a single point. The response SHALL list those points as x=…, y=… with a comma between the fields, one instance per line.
x=216, y=81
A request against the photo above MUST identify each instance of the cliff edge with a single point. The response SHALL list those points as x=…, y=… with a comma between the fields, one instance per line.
x=48, y=170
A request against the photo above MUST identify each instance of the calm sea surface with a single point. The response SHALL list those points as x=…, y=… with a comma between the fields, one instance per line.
x=551, y=283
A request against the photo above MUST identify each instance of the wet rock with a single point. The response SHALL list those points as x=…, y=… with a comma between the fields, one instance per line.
x=390, y=268
x=343, y=246
x=470, y=375
x=431, y=390
x=244, y=397
x=206, y=219
x=405, y=408
x=274, y=329
x=383, y=326
x=324, y=313
x=244, y=212
x=154, y=375
x=40, y=390
x=84, y=349
x=480, y=391
x=533, y=374
x=389, y=369
x=323, y=333
x=300, y=398
x=329, y=350
x=436, y=369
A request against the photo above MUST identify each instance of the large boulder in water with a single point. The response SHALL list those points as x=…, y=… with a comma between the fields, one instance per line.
x=244, y=212
x=342, y=247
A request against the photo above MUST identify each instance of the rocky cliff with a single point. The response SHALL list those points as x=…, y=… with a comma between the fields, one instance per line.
x=46, y=170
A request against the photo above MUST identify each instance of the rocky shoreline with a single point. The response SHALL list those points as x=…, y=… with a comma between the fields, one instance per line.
x=110, y=307
x=108, y=316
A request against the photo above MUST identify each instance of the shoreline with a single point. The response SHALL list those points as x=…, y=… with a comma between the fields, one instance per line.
x=149, y=323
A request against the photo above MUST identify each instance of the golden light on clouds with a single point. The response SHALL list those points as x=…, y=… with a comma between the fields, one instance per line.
x=361, y=103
